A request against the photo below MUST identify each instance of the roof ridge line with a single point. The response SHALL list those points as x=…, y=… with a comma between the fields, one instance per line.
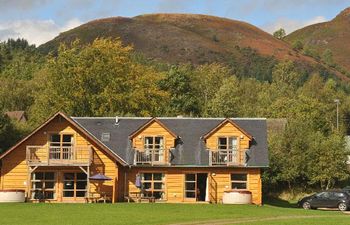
x=180, y=118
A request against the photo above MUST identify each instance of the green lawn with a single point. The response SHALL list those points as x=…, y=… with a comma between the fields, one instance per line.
x=132, y=213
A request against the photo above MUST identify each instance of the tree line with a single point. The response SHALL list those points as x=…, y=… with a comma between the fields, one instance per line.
x=106, y=78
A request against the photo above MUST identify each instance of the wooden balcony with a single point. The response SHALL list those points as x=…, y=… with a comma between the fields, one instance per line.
x=223, y=157
x=59, y=155
x=151, y=157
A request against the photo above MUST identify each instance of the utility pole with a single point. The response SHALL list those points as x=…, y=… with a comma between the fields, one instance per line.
x=337, y=101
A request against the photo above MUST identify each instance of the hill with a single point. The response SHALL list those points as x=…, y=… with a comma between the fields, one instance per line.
x=333, y=35
x=183, y=38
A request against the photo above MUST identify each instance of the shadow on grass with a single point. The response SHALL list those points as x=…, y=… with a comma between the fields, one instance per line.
x=273, y=201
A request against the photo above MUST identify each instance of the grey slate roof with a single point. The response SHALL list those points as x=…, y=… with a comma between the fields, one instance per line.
x=190, y=149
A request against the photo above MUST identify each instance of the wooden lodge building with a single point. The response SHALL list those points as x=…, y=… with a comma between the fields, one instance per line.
x=169, y=159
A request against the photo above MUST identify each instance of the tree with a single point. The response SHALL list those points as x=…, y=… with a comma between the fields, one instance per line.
x=227, y=99
x=8, y=133
x=327, y=57
x=327, y=159
x=279, y=34
x=206, y=81
x=297, y=45
x=177, y=83
x=286, y=77
x=95, y=80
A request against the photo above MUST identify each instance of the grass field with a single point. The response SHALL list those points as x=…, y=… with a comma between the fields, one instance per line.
x=189, y=214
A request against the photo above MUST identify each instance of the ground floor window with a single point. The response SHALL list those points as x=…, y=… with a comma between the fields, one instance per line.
x=239, y=181
x=74, y=185
x=43, y=185
x=153, y=185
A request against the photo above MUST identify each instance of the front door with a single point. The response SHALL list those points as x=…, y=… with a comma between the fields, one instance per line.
x=196, y=186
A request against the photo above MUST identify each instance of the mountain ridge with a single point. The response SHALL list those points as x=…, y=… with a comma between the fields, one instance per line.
x=184, y=38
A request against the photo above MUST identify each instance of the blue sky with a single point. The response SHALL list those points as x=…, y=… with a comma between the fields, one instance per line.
x=41, y=20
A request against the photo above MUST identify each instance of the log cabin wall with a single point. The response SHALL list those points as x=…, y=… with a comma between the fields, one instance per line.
x=219, y=181
x=14, y=171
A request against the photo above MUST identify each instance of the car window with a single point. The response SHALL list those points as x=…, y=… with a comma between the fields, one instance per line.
x=324, y=195
x=339, y=195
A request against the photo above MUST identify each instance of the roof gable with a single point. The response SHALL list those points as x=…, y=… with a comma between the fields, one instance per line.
x=75, y=125
x=220, y=125
x=147, y=124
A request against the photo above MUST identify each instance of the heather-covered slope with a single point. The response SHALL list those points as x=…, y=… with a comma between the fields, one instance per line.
x=333, y=35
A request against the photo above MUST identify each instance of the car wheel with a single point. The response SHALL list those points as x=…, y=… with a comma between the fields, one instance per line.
x=342, y=206
x=306, y=205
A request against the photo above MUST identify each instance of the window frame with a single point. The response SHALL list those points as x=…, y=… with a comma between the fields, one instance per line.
x=43, y=182
x=61, y=144
x=152, y=150
x=75, y=180
x=233, y=181
x=227, y=146
x=152, y=181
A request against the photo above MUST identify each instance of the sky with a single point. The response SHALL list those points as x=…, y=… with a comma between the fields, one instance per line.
x=39, y=21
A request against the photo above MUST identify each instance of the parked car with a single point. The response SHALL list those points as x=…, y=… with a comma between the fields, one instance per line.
x=327, y=199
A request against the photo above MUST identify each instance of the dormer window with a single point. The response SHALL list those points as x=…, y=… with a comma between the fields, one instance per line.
x=154, y=147
x=228, y=143
x=61, y=146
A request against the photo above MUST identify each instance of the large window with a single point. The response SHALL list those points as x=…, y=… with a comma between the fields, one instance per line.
x=43, y=185
x=61, y=146
x=153, y=185
x=74, y=185
x=239, y=181
x=154, y=148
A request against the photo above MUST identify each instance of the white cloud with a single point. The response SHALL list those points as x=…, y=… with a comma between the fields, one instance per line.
x=290, y=25
x=35, y=31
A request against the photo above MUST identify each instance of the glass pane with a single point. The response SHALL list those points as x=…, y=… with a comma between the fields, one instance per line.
x=239, y=177
x=69, y=176
x=49, y=176
x=158, y=194
x=147, y=185
x=238, y=185
x=147, y=176
x=148, y=140
x=158, y=186
x=68, y=185
x=190, y=186
x=222, y=143
x=81, y=176
x=159, y=142
x=233, y=143
x=49, y=185
x=49, y=195
x=80, y=194
x=68, y=194
x=67, y=138
x=36, y=185
x=157, y=176
x=190, y=194
x=55, y=138
x=81, y=185
x=38, y=195
x=38, y=176
x=190, y=177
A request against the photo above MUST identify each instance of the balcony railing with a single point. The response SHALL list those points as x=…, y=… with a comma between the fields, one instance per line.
x=59, y=155
x=229, y=157
x=150, y=157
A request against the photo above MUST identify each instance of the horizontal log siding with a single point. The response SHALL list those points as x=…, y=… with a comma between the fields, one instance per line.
x=221, y=181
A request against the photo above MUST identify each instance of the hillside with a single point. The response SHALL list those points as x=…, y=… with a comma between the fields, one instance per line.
x=183, y=38
x=333, y=35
